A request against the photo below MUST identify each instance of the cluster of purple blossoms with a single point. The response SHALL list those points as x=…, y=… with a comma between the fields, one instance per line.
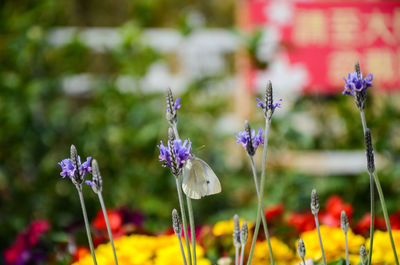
x=256, y=140
x=355, y=83
x=68, y=168
x=181, y=152
x=276, y=104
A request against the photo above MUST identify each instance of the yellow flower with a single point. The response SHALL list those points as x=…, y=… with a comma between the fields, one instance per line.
x=223, y=228
x=143, y=250
x=333, y=241
x=382, y=252
x=282, y=253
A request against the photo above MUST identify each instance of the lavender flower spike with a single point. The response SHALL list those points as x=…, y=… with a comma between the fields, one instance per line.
x=175, y=154
x=73, y=168
x=97, y=182
x=171, y=111
x=249, y=140
x=268, y=105
x=356, y=86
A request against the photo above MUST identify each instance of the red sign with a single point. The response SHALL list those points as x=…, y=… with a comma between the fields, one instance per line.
x=327, y=37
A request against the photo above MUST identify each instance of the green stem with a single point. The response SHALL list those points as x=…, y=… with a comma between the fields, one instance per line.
x=320, y=239
x=183, y=213
x=182, y=251
x=103, y=207
x=304, y=262
x=372, y=222
x=237, y=255
x=263, y=218
x=347, y=249
x=242, y=254
x=85, y=218
x=385, y=215
x=192, y=228
x=372, y=199
x=262, y=182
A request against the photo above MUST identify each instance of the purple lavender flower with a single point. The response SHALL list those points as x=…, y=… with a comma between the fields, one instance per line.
x=275, y=104
x=181, y=152
x=97, y=182
x=355, y=83
x=177, y=104
x=244, y=139
x=68, y=168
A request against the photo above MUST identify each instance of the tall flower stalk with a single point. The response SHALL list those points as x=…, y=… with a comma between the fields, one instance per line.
x=268, y=107
x=174, y=157
x=356, y=86
x=97, y=186
x=76, y=171
x=250, y=141
x=315, y=210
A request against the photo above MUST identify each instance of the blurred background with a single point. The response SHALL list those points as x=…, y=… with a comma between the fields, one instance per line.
x=94, y=74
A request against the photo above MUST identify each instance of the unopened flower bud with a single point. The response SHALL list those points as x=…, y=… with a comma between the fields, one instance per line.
x=344, y=222
x=363, y=255
x=249, y=147
x=369, y=151
x=244, y=233
x=176, y=223
x=236, y=231
x=314, y=202
x=301, y=249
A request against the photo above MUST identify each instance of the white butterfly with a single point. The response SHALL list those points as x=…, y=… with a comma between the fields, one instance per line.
x=199, y=179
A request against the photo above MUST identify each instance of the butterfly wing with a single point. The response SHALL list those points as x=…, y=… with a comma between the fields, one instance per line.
x=213, y=184
x=194, y=182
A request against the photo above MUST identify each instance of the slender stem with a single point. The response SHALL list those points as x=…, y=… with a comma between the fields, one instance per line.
x=237, y=255
x=347, y=249
x=320, y=239
x=103, y=207
x=85, y=218
x=363, y=121
x=179, y=189
x=263, y=218
x=192, y=228
x=262, y=181
x=304, y=262
x=182, y=251
x=385, y=214
x=183, y=213
x=242, y=254
x=372, y=222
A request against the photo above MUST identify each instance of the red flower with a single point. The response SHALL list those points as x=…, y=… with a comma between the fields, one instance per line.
x=362, y=227
x=302, y=222
x=334, y=205
x=395, y=221
x=27, y=239
x=333, y=209
x=114, y=217
x=80, y=252
x=274, y=211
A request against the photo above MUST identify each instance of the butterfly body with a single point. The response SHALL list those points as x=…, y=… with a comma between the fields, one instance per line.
x=199, y=179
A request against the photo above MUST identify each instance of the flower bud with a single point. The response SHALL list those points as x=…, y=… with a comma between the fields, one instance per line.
x=314, y=202
x=344, y=222
x=301, y=249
